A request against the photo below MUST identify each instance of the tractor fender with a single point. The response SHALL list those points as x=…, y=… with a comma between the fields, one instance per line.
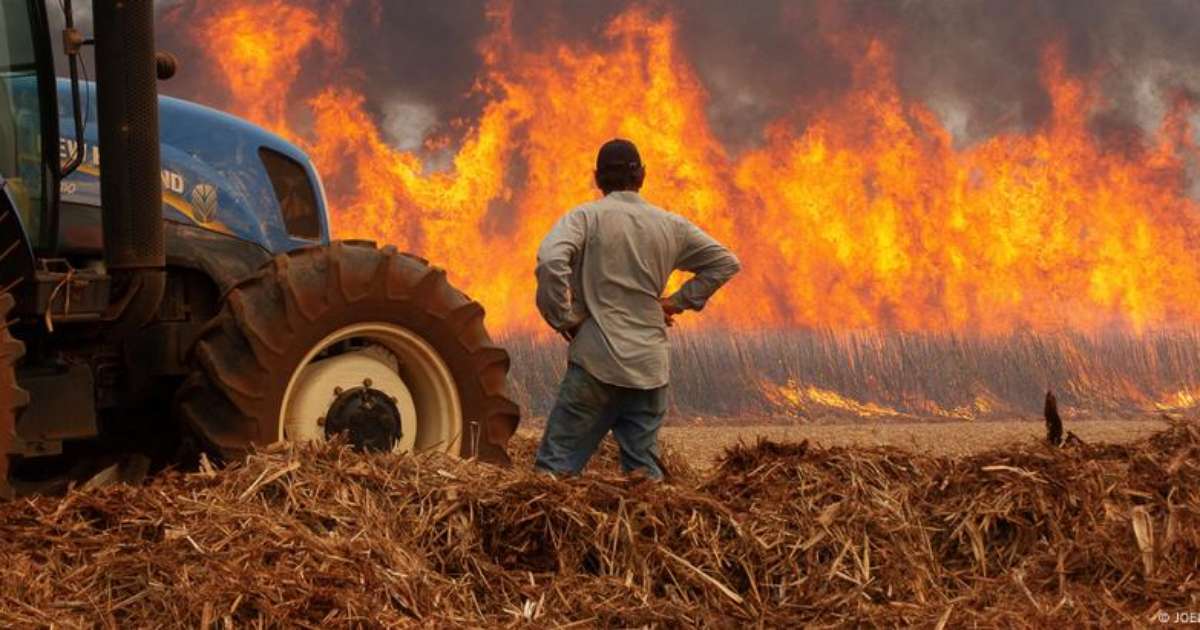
x=225, y=259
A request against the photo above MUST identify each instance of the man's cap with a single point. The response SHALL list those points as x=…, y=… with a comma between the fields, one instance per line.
x=618, y=154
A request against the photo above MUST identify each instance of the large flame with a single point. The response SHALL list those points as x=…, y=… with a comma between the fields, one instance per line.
x=868, y=216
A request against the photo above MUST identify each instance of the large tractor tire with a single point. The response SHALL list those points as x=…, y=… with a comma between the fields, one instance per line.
x=351, y=339
x=12, y=397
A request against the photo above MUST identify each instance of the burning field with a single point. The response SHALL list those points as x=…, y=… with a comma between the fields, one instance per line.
x=805, y=376
x=778, y=535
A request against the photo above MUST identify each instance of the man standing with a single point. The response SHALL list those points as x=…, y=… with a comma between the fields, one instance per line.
x=601, y=272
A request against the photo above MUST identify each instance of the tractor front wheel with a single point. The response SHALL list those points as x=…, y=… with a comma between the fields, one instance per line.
x=348, y=339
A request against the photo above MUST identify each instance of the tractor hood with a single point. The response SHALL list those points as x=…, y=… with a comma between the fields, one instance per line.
x=213, y=175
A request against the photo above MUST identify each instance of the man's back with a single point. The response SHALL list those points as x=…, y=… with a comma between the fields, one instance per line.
x=601, y=272
x=617, y=254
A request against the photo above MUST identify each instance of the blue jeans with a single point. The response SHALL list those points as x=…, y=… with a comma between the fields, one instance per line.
x=586, y=410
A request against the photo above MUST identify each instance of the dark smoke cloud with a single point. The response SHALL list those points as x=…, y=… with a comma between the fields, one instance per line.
x=987, y=54
x=976, y=62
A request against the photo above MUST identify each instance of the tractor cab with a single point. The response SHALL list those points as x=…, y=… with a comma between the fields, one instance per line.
x=27, y=116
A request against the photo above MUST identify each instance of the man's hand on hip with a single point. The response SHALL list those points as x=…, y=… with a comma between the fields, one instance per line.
x=669, y=310
x=570, y=333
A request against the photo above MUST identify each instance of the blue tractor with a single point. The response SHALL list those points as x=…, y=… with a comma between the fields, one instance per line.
x=169, y=283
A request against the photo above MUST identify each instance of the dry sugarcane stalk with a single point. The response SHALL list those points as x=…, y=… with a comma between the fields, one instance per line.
x=779, y=535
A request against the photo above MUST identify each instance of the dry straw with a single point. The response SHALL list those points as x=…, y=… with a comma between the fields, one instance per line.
x=779, y=535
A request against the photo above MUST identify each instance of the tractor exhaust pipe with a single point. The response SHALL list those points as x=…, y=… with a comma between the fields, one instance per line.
x=130, y=172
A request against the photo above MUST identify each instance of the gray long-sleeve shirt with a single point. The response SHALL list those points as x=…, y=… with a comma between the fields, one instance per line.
x=604, y=266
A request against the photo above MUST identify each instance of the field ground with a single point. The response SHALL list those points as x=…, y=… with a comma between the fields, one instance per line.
x=702, y=445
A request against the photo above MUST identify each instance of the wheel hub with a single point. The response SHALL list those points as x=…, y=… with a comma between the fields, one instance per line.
x=368, y=418
x=398, y=364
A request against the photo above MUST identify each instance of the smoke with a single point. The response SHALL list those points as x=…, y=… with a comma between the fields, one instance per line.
x=407, y=124
x=976, y=63
x=987, y=55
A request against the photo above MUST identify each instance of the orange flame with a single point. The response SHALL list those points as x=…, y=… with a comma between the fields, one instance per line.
x=260, y=47
x=868, y=217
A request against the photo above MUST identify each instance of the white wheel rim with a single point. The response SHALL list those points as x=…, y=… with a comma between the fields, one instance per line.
x=424, y=389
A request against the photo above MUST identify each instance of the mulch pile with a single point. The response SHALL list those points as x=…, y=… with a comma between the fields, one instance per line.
x=778, y=535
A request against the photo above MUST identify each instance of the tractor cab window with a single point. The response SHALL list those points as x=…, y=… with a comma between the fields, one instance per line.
x=297, y=199
x=20, y=114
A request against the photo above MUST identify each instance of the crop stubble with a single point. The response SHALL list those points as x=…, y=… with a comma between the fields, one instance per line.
x=778, y=534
